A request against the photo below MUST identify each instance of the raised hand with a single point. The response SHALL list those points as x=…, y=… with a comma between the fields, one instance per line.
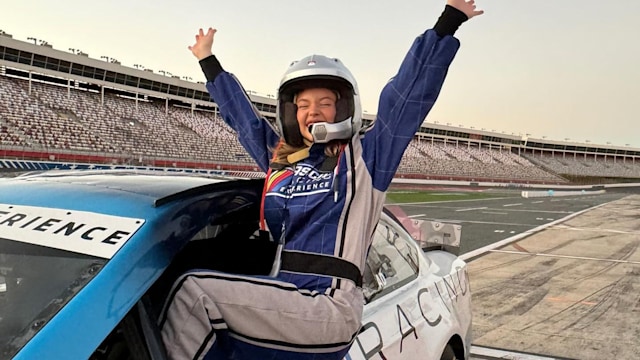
x=468, y=7
x=204, y=42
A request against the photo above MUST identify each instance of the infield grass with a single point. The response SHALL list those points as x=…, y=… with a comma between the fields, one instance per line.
x=397, y=197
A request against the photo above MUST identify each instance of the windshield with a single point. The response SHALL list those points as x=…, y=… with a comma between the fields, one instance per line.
x=36, y=282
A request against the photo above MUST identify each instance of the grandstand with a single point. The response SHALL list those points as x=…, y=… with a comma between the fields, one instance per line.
x=57, y=106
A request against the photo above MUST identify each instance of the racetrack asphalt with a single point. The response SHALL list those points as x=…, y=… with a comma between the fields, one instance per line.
x=487, y=221
x=567, y=290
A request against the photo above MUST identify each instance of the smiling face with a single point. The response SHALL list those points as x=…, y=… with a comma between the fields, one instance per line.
x=315, y=105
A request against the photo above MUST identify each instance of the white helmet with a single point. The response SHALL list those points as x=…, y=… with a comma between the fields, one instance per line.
x=312, y=72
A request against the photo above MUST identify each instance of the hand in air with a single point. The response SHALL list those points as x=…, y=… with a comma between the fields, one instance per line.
x=204, y=42
x=468, y=7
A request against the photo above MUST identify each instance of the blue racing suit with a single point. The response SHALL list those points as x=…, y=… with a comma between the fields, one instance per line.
x=312, y=309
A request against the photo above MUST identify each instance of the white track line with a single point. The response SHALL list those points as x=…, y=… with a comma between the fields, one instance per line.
x=477, y=252
x=470, y=209
x=566, y=256
x=505, y=354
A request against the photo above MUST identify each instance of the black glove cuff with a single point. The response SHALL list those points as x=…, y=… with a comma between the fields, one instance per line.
x=211, y=67
x=449, y=21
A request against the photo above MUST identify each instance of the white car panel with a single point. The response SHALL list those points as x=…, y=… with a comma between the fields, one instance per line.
x=424, y=300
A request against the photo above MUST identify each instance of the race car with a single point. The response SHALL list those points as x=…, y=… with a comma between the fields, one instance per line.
x=87, y=259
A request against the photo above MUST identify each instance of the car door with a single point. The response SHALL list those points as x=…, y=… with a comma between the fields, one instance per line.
x=392, y=318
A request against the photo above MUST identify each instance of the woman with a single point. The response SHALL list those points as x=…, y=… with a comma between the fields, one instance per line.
x=324, y=191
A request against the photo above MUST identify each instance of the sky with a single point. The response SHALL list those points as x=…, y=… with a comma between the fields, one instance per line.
x=558, y=70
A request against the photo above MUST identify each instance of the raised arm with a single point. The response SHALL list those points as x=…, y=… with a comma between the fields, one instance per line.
x=408, y=97
x=254, y=132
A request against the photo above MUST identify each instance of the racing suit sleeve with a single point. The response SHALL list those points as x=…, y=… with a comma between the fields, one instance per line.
x=254, y=132
x=408, y=97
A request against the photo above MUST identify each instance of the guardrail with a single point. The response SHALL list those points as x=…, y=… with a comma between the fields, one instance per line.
x=554, y=193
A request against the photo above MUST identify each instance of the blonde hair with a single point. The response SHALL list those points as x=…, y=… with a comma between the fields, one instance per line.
x=283, y=150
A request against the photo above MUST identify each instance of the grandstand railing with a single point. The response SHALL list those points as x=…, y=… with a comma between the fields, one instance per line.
x=25, y=153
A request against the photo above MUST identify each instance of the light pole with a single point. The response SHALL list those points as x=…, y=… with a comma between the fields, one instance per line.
x=109, y=59
x=138, y=66
x=38, y=41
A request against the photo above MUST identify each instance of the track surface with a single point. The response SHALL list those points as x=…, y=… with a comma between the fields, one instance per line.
x=569, y=290
x=487, y=221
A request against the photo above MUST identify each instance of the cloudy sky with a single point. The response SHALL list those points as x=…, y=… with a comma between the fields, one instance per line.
x=559, y=69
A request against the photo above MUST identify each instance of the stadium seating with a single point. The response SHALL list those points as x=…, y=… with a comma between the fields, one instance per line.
x=587, y=165
x=53, y=118
x=439, y=159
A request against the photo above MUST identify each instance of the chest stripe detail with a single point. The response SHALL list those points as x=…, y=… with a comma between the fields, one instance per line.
x=350, y=164
x=277, y=178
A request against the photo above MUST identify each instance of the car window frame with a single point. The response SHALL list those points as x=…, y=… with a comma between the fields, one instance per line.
x=399, y=234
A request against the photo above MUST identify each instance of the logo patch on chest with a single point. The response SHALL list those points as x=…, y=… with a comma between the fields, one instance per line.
x=305, y=180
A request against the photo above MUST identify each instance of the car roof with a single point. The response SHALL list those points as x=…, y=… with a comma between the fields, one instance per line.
x=162, y=204
x=57, y=188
